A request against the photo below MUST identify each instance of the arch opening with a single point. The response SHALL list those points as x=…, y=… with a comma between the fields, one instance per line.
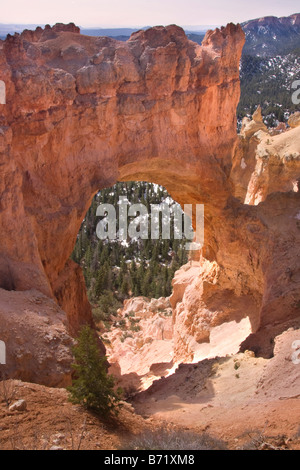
x=130, y=287
x=154, y=256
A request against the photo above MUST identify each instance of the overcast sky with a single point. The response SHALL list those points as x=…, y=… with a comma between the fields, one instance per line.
x=142, y=12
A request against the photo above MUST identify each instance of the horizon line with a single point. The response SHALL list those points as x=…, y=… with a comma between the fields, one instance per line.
x=189, y=27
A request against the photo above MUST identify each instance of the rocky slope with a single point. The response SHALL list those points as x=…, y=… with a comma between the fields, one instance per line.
x=49, y=421
x=84, y=112
x=34, y=330
x=247, y=402
x=265, y=177
x=140, y=344
x=252, y=402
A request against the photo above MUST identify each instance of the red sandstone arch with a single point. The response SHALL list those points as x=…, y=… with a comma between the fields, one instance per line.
x=83, y=112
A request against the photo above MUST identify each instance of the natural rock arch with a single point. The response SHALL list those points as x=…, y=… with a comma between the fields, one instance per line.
x=84, y=112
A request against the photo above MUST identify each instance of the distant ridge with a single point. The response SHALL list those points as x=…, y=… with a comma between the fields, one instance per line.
x=111, y=32
x=269, y=36
x=265, y=37
x=16, y=28
x=118, y=33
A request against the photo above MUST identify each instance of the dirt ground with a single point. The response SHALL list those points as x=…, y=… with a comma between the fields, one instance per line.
x=51, y=421
x=226, y=398
x=223, y=397
x=240, y=399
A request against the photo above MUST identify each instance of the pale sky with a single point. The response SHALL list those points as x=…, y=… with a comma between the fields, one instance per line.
x=108, y=13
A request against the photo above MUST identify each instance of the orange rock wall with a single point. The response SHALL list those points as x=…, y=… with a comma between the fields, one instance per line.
x=84, y=112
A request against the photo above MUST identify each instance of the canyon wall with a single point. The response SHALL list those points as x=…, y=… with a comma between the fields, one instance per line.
x=84, y=112
x=255, y=271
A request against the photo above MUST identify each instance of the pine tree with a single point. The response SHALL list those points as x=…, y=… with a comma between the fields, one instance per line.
x=125, y=287
x=105, y=264
x=92, y=387
x=103, y=280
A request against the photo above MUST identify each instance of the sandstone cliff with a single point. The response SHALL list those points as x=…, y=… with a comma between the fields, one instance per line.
x=252, y=282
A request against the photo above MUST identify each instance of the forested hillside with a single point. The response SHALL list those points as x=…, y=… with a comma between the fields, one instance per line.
x=116, y=270
x=270, y=65
x=268, y=82
x=271, y=36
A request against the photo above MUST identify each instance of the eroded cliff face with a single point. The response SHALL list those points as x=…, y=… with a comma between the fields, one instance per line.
x=83, y=112
x=252, y=284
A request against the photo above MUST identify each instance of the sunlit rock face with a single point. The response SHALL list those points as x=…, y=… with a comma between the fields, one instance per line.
x=84, y=112
x=251, y=285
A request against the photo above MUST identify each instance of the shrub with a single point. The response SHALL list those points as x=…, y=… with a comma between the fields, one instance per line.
x=135, y=328
x=258, y=440
x=122, y=323
x=162, y=439
x=107, y=305
x=100, y=316
x=92, y=387
x=125, y=336
x=134, y=325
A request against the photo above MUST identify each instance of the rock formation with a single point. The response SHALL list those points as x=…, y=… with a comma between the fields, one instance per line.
x=83, y=112
x=33, y=328
x=255, y=273
x=139, y=345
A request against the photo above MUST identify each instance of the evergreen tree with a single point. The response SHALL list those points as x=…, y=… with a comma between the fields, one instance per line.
x=105, y=264
x=92, y=386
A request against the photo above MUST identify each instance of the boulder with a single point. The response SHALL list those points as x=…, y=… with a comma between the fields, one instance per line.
x=19, y=405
